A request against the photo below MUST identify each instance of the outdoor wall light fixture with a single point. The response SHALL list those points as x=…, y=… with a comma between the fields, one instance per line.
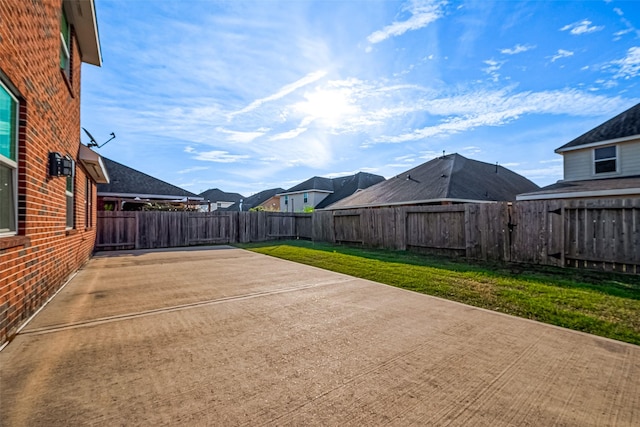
x=60, y=165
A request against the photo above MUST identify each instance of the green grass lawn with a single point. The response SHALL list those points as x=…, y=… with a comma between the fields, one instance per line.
x=599, y=303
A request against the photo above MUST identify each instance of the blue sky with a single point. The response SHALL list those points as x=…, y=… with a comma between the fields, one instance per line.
x=245, y=96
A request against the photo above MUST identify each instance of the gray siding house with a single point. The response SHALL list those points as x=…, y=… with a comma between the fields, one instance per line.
x=319, y=192
x=603, y=162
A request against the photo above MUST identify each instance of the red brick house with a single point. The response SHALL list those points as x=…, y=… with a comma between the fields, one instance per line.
x=47, y=178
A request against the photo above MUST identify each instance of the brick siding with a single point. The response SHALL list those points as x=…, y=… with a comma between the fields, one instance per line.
x=44, y=254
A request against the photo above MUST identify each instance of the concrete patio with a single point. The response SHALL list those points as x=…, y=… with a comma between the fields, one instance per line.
x=223, y=336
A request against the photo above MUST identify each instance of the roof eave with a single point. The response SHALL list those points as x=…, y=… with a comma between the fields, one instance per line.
x=82, y=14
x=580, y=194
x=93, y=165
x=150, y=196
x=597, y=144
x=409, y=202
x=304, y=191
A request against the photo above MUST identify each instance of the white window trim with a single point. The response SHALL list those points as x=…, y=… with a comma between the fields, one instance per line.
x=594, y=161
x=13, y=164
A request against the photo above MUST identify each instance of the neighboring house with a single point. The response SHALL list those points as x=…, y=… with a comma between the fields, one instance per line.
x=47, y=177
x=319, y=192
x=444, y=180
x=218, y=199
x=604, y=162
x=272, y=204
x=258, y=199
x=130, y=189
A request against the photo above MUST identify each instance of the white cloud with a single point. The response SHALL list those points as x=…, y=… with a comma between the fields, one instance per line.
x=189, y=149
x=293, y=133
x=468, y=111
x=219, y=156
x=243, y=137
x=493, y=68
x=581, y=27
x=284, y=91
x=519, y=48
x=561, y=54
x=193, y=169
x=423, y=12
x=629, y=66
x=622, y=32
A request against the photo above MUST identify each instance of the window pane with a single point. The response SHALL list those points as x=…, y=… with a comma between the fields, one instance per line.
x=606, y=166
x=7, y=200
x=605, y=153
x=69, y=211
x=7, y=125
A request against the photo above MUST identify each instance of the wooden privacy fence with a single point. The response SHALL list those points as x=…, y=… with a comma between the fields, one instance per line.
x=156, y=229
x=601, y=233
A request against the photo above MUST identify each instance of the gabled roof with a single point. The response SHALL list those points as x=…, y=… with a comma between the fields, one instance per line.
x=338, y=188
x=317, y=183
x=449, y=178
x=128, y=182
x=624, y=125
x=345, y=186
x=255, y=200
x=217, y=195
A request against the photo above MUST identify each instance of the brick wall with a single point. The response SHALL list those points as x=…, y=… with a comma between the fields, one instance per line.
x=37, y=262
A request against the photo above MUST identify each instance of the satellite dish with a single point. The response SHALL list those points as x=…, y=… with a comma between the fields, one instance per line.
x=92, y=140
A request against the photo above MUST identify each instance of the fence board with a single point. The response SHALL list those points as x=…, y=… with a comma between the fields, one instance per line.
x=602, y=234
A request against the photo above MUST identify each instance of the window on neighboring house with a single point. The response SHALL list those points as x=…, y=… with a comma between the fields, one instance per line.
x=65, y=45
x=88, y=204
x=605, y=159
x=8, y=162
x=306, y=197
x=219, y=205
x=69, y=195
x=286, y=200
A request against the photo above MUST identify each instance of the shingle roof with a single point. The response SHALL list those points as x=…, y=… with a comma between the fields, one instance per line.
x=623, y=125
x=628, y=186
x=316, y=183
x=126, y=180
x=347, y=185
x=217, y=195
x=339, y=188
x=255, y=200
x=452, y=177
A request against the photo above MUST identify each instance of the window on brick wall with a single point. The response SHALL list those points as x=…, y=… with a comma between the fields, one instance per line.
x=8, y=161
x=65, y=46
x=88, y=204
x=70, y=196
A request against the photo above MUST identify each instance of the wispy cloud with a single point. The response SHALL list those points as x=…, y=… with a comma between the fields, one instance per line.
x=629, y=66
x=289, y=134
x=469, y=111
x=193, y=169
x=519, y=48
x=284, y=91
x=561, y=54
x=219, y=156
x=493, y=68
x=422, y=14
x=242, y=136
x=581, y=27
